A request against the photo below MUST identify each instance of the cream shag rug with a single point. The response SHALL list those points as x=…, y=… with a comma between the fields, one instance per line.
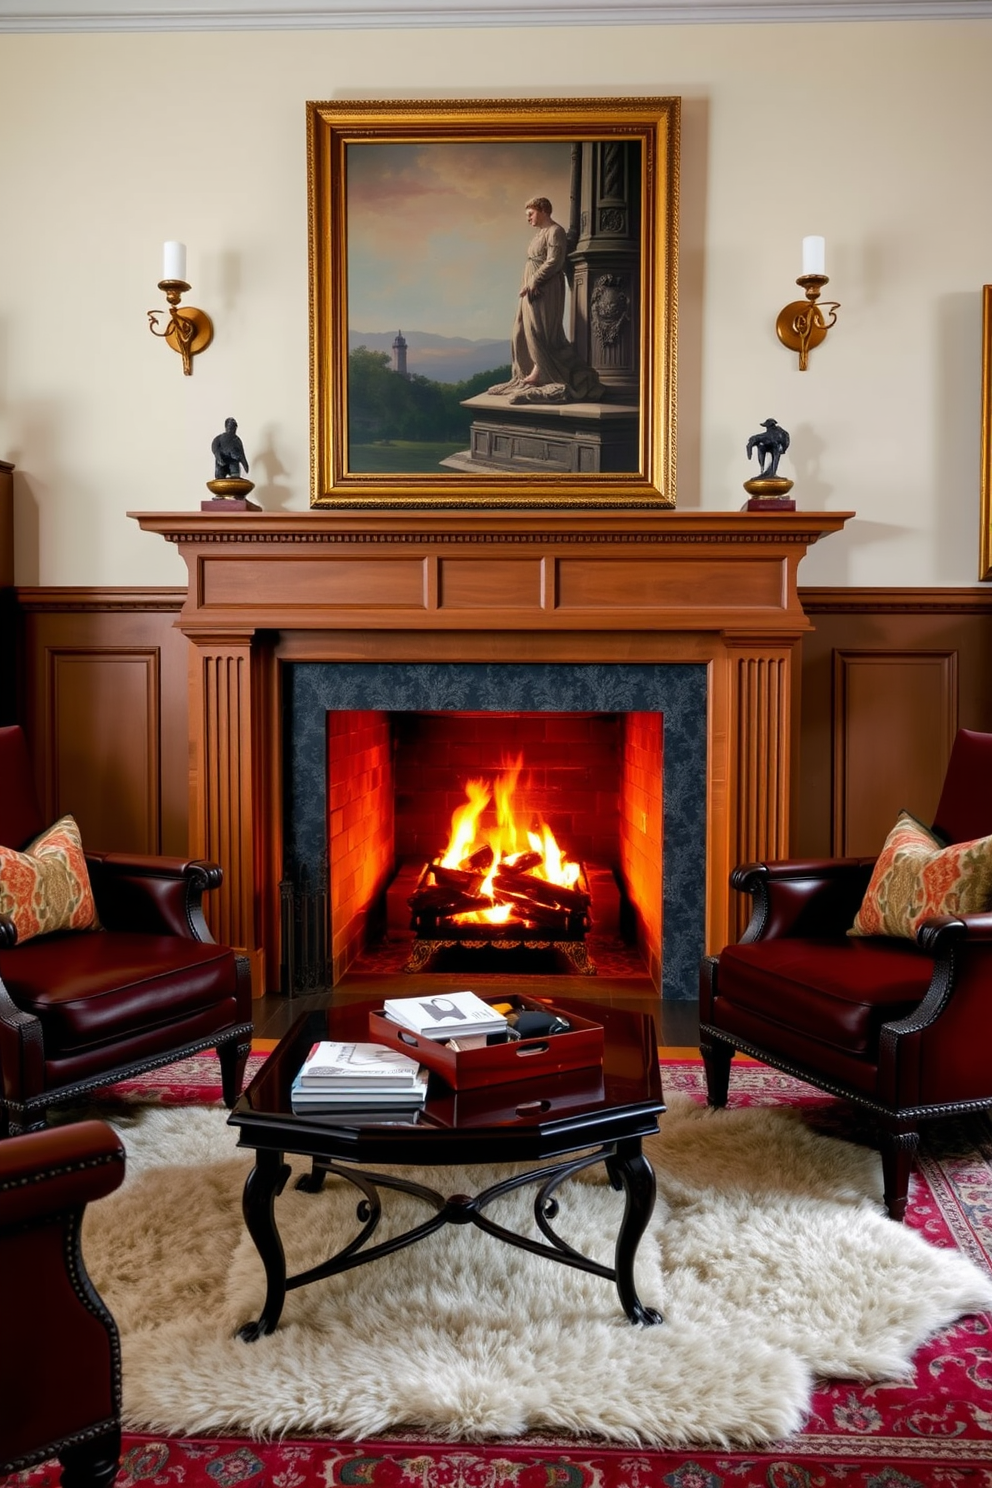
x=768, y=1255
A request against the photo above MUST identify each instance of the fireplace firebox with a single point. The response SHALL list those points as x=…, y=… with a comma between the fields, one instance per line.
x=373, y=783
x=494, y=831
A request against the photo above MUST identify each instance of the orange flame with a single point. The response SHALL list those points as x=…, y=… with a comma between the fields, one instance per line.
x=508, y=841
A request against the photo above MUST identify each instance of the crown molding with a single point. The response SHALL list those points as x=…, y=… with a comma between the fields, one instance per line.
x=312, y=15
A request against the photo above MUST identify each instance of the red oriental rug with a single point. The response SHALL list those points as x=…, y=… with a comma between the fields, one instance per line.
x=935, y=1429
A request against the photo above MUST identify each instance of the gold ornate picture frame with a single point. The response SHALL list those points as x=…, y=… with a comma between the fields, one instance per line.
x=985, y=546
x=493, y=302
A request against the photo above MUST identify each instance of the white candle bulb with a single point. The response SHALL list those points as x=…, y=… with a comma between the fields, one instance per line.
x=174, y=261
x=813, y=256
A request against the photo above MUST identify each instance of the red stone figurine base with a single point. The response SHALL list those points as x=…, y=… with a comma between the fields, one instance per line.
x=769, y=503
x=230, y=494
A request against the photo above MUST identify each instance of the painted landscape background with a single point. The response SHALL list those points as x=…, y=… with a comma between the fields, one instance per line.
x=437, y=237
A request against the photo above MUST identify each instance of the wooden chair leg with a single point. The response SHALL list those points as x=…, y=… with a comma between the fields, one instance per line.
x=233, y=1056
x=899, y=1144
x=93, y=1464
x=716, y=1062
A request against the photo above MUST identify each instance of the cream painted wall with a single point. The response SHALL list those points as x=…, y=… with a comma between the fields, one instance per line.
x=874, y=135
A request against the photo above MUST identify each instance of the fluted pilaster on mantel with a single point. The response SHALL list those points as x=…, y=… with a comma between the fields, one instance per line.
x=551, y=585
x=760, y=816
x=222, y=801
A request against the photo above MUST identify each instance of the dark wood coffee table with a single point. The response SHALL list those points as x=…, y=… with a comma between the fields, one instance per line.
x=600, y=1113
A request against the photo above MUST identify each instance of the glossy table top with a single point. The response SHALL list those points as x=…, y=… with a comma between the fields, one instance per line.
x=534, y=1118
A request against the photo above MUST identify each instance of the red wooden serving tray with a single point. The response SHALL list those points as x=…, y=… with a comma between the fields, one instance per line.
x=498, y=1064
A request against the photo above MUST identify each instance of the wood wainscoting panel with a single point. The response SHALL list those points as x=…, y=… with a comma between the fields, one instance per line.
x=895, y=717
x=104, y=729
x=103, y=699
x=888, y=676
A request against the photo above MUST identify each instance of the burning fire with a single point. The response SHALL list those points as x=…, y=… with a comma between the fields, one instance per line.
x=495, y=856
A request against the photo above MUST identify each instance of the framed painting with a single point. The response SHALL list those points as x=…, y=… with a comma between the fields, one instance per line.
x=985, y=546
x=493, y=302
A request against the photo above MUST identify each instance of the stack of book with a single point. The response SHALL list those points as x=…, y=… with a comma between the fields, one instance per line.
x=358, y=1077
x=451, y=1015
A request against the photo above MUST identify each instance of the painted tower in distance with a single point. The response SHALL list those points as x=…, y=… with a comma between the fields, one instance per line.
x=399, y=355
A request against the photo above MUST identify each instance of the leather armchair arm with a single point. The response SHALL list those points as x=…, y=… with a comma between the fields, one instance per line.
x=938, y=1054
x=47, y=1172
x=810, y=897
x=153, y=895
x=938, y=936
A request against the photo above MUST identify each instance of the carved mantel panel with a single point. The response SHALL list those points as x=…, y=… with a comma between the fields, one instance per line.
x=718, y=588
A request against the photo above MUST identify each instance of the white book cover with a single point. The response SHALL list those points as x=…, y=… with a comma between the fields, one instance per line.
x=346, y=1064
x=444, y=1016
x=368, y=1096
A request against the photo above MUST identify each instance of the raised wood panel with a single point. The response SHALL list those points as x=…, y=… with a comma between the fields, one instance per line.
x=105, y=726
x=895, y=717
x=665, y=582
x=482, y=584
x=888, y=676
x=103, y=699
x=333, y=583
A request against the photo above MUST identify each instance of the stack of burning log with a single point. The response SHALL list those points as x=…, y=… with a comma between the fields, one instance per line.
x=486, y=898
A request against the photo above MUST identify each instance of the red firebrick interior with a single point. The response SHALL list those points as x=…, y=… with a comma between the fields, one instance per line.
x=394, y=780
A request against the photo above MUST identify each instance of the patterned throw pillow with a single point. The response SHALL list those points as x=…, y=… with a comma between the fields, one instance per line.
x=917, y=877
x=47, y=887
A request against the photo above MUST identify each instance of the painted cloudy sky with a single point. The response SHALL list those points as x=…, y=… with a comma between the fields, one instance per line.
x=437, y=233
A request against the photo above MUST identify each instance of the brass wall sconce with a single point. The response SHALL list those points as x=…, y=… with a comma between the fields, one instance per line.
x=189, y=330
x=801, y=324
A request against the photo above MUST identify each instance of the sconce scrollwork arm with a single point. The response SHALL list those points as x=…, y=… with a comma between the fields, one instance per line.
x=188, y=330
x=802, y=324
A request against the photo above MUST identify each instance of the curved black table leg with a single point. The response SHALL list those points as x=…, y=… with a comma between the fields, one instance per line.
x=264, y=1183
x=636, y=1177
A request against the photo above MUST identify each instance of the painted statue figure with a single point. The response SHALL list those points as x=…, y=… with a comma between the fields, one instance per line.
x=546, y=366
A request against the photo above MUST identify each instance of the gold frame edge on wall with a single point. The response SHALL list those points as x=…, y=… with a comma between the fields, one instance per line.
x=646, y=130
x=985, y=546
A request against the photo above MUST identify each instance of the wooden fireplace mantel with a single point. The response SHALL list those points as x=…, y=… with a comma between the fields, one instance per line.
x=549, y=585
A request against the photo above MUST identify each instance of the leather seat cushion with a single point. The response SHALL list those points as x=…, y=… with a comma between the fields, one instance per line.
x=89, y=988
x=838, y=992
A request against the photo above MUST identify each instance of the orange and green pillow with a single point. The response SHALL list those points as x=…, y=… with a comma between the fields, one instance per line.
x=47, y=886
x=917, y=876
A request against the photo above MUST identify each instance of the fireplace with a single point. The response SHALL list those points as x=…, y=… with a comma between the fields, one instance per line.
x=296, y=618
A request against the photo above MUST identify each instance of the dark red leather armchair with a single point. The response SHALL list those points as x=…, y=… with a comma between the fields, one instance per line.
x=902, y=1028
x=60, y=1365
x=82, y=1009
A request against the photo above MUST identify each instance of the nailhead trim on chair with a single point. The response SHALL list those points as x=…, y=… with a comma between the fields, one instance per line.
x=19, y=1112
x=911, y=1113
x=53, y=1449
x=8, y=1184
